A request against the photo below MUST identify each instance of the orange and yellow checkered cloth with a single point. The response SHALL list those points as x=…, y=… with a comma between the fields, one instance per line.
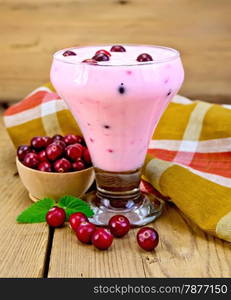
x=189, y=157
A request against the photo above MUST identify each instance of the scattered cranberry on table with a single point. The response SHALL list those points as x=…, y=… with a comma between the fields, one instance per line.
x=147, y=238
x=84, y=232
x=102, y=238
x=55, y=154
x=76, y=219
x=56, y=216
x=119, y=225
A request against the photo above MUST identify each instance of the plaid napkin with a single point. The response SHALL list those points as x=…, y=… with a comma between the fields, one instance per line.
x=188, y=161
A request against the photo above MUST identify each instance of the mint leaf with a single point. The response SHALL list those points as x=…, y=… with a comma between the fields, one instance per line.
x=36, y=213
x=72, y=205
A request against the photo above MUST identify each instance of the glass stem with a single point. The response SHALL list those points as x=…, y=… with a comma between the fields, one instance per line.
x=118, y=189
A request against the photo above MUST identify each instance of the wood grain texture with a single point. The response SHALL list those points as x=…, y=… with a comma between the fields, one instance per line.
x=32, y=30
x=186, y=251
x=22, y=247
x=183, y=251
x=70, y=258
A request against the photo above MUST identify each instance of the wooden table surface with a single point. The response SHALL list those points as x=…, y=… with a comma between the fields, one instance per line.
x=31, y=250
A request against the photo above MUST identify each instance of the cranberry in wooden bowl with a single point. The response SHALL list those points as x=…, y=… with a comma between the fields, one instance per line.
x=46, y=170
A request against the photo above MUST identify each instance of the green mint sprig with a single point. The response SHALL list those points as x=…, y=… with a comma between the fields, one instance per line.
x=72, y=204
x=36, y=213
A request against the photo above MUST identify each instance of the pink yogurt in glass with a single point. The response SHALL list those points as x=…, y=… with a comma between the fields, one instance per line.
x=118, y=103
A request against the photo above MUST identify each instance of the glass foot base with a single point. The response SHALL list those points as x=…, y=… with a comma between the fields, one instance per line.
x=141, y=214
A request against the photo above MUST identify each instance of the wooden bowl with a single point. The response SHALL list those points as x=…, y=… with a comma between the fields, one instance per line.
x=55, y=185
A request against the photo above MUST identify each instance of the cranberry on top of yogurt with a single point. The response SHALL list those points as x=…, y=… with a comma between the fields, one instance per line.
x=105, y=97
x=69, y=53
x=101, y=57
x=117, y=48
x=103, y=51
x=90, y=61
x=144, y=57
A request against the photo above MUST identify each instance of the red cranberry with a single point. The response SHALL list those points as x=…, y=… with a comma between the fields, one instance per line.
x=48, y=140
x=70, y=139
x=39, y=142
x=62, y=165
x=103, y=51
x=117, y=48
x=78, y=165
x=77, y=218
x=84, y=232
x=56, y=216
x=80, y=140
x=54, y=151
x=147, y=238
x=102, y=238
x=74, y=151
x=90, y=61
x=144, y=57
x=119, y=225
x=44, y=166
x=146, y=187
x=101, y=57
x=57, y=137
x=31, y=160
x=22, y=151
x=60, y=143
x=86, y=156
x=69, y=53
x=42, y=155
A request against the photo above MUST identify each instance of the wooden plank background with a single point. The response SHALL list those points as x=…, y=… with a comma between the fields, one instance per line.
x=23, y=247
x=32, y=30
